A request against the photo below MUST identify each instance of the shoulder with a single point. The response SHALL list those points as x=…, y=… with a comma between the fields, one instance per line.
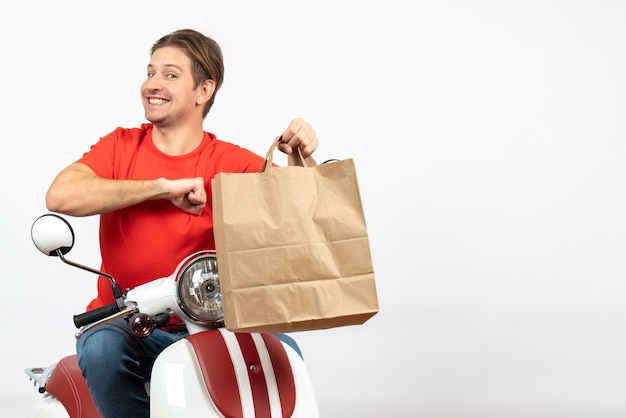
x=130, y=134
x=113, y=147
x=124, y=139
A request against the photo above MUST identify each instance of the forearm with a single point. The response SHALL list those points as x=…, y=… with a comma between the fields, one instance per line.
x=77, y=191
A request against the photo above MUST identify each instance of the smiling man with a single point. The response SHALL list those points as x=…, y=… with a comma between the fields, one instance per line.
x=151, y=186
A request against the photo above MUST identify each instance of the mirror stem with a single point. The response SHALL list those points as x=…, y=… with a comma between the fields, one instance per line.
x=117, y=294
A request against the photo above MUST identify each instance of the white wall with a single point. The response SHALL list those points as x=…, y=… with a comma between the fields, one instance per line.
x=489, y=143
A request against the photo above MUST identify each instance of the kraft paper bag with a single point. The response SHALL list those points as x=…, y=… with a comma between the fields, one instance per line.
x=292, y=248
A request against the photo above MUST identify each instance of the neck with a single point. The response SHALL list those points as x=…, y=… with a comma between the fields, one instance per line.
x=177, y=140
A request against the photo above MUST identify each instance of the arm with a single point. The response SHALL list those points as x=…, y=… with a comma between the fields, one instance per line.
x=78, y=191
x=299, y=134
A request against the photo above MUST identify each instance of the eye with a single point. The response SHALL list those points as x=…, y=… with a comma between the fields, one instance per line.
x=150, y=75
x=171, y=76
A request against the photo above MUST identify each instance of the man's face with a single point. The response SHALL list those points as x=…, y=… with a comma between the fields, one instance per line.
x=168, y=94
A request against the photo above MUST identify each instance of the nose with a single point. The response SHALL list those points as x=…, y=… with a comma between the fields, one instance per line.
x=151, y=84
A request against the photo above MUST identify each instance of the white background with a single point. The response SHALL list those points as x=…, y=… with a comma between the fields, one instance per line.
x=489, y=143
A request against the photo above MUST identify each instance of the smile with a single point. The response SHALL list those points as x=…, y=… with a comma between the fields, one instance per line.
x=157, y=101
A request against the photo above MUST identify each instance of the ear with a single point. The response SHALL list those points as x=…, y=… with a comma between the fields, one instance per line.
x=205, y=92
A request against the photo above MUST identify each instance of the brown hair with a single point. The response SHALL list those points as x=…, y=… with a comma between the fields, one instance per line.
x=207, y=62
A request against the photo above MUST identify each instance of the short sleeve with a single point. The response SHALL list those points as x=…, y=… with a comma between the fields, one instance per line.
x=100, y=158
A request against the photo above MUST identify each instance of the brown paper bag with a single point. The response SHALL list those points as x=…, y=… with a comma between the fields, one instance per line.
x=292, y=248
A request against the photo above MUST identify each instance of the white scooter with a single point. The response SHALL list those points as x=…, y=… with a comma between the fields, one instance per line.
x=211, y=373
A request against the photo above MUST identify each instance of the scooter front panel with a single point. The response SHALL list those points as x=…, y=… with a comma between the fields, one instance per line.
x=263, y=381
x=177, y=388
x=219, y=373
x=278, y=369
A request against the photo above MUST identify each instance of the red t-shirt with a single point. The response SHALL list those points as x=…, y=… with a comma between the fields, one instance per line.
x=147, y=241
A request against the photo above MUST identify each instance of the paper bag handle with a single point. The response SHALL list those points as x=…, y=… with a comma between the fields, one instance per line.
x=297, y=156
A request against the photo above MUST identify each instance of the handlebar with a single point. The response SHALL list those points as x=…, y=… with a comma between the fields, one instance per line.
x=90, y=317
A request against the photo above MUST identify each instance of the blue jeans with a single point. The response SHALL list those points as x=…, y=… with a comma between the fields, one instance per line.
x=116, y=365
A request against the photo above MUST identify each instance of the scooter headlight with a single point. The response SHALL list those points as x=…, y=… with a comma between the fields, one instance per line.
x=198, y=288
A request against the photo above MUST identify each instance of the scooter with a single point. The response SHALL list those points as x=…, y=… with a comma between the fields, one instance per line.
x=211, y=373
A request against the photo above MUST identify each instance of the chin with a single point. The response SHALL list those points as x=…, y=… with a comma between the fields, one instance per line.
x=154, y=119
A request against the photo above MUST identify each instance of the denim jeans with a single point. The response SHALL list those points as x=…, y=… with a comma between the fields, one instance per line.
x=117, y=364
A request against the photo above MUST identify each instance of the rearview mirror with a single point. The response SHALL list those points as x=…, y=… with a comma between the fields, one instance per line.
x=52, y=235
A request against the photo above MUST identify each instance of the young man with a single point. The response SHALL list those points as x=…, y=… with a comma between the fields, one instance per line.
x=151, y=186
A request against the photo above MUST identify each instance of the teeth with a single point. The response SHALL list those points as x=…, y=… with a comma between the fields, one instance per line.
x=157, y=101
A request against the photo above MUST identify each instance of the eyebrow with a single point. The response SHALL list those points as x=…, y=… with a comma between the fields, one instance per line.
x=167, y=66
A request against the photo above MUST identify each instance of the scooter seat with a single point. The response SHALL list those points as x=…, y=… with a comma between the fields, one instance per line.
x=68, y=385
